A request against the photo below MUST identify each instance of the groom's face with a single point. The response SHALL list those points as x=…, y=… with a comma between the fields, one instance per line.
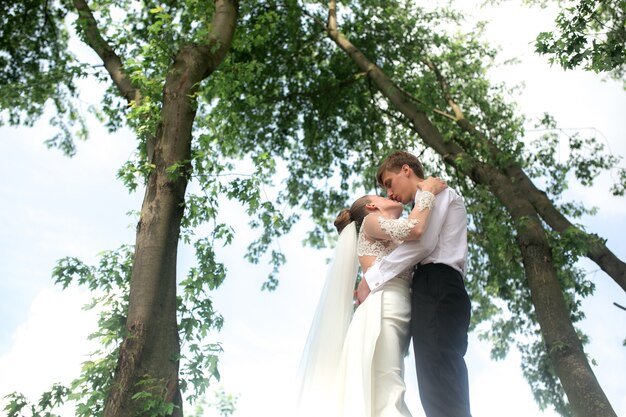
x=398, y=186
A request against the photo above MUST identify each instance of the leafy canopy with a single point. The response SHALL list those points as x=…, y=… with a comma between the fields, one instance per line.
x=289, y=125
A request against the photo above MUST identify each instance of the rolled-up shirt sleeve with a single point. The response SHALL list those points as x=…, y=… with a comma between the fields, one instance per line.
x=411, y=252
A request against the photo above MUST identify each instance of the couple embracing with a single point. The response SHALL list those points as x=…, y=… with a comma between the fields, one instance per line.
x=411, y=287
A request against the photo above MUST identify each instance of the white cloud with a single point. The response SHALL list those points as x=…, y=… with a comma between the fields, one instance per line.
x=49, y=346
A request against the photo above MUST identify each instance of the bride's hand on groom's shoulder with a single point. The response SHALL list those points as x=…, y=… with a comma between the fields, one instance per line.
x=433, y=184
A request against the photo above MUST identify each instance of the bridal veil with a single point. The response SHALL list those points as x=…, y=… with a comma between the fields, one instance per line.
x=322, y=352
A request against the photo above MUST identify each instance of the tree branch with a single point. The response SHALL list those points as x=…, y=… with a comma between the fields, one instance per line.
x=111, y=60
x=220, y=37
x=597, y=252
x=418, y=101
x=445, y=89
x=332, y=15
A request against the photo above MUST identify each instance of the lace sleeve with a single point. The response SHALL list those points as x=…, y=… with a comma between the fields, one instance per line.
x=382, y=228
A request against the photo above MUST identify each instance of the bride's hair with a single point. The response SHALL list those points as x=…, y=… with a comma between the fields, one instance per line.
x=356, y=213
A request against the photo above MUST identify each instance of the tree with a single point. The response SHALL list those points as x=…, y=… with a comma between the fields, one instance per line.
x=504, y=177
x=590, y=34
x=492, y=158
x=158, y=83
x=326, y=117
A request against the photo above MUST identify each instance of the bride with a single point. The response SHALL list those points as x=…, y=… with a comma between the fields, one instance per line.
x=353, y=361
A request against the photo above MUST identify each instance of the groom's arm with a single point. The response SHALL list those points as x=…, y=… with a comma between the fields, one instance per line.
x=402, y=258
x=411, y=252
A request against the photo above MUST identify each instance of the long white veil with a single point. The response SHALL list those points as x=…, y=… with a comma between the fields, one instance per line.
x=322, y=352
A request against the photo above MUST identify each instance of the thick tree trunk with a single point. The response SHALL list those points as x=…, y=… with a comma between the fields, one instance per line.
x=584, y=393
x=147, y=361
x=582, y=388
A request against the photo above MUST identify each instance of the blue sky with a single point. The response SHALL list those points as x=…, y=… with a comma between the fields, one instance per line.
x=53, y=207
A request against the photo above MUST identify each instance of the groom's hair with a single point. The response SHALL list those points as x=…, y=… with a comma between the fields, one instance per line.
x=394, y=163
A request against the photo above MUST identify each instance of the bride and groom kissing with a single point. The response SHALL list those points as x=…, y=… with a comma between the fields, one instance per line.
x=411, y=288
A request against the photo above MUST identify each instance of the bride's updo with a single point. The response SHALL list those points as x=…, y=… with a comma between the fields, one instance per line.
x=356, y=213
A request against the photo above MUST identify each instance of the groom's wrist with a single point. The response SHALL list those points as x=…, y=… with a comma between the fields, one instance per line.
x=373, y=278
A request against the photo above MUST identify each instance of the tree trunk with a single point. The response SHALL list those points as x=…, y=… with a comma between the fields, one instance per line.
x=146, y=376
x=586, y=397
x=565, y=349
x=145, y=362
x=597, y=251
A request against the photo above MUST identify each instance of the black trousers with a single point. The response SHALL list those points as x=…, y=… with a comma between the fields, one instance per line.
x=439, y=324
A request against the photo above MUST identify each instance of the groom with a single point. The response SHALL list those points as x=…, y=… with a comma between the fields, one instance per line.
x=440, y=305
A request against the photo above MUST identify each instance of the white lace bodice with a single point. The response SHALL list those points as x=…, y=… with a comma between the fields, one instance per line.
x=394, y=232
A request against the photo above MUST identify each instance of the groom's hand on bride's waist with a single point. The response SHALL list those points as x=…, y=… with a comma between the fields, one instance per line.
x=362, y=291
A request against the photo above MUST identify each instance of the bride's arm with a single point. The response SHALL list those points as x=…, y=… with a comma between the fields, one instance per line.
x=424, y=204
x=400, y=230
x=377, y=227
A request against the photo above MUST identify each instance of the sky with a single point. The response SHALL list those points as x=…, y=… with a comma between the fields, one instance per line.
x=54, y=207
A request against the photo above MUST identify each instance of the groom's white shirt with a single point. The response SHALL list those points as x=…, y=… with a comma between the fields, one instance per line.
x=444, y=241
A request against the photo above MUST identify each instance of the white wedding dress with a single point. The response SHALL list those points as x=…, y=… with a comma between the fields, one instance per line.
x=366, y=379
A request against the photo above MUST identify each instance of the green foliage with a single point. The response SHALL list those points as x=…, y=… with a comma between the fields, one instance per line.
x=312, y=119
x=19, y=406
x=197, y=318
x=109, y=281
x=38, y=71
x=226, y=403
x=134, y=173
x=289, y=125
x=330, y=128
x=151, y=397
x=559, y=157
x=543, y=381
x=619, y=187
x=590, y=34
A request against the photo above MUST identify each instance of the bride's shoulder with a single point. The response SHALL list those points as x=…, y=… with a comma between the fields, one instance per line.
x=371, y=219
x=372, y=225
